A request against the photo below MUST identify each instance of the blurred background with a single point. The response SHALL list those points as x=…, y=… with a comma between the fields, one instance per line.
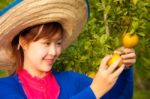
x=108, y=20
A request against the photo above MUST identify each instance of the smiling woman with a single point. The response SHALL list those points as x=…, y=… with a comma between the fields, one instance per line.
x=46, y=32
x=33, y=34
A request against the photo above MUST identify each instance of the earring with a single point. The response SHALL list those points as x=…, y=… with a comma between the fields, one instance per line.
x=18, y=47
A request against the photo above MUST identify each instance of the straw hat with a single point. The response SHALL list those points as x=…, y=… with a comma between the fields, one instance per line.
x=21, y=14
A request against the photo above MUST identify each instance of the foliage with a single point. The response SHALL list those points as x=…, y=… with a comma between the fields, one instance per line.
x=3, y=73
x=4, y=3
x=95, y=41
x=109, y=19
x=141, y=94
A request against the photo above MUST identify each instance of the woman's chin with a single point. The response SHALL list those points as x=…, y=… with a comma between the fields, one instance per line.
x=47, y=68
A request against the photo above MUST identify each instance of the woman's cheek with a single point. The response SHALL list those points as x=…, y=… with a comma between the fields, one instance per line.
x=59, y=51
x=41, y=52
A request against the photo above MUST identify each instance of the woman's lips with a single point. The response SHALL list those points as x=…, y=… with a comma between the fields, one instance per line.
x=50, y=61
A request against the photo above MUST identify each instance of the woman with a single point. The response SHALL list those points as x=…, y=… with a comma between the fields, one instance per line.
x=35, y=39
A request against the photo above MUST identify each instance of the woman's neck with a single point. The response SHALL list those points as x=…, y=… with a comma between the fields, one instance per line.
x=34, y=72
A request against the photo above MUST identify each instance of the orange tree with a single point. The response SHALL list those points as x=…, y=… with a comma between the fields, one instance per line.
x=109, y=19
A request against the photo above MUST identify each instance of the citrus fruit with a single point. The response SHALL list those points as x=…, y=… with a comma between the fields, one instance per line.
x=113, y=59
x=91, y=74
x=130, y=40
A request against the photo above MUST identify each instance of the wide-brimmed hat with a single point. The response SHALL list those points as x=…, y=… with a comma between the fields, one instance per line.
x=21, y=14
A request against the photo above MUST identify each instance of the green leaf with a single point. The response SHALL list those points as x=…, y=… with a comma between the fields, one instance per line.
x=108, y=7
x=135, y=25
x=141, y=34
x=134, y=2
x=102, y=29
x=103, y=38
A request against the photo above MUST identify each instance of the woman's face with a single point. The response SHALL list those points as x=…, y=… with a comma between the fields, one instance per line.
x=39, y=56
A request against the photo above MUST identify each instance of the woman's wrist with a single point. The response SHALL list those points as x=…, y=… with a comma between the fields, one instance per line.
x=96, y=90
x=96, y=87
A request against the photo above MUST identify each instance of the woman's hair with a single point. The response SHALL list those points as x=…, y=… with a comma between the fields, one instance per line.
x=31, y=34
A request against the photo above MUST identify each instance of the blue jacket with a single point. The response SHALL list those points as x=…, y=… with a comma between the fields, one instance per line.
x=72, y=86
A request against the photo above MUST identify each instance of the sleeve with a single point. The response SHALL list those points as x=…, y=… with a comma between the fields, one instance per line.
x=11, y=89
x=87, y=93
x=123, y=89
x=84, y=90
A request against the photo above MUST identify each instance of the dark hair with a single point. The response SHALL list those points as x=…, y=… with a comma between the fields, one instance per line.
x=31, y=34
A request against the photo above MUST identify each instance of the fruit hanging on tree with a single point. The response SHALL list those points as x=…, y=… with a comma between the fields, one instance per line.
x=130, y=40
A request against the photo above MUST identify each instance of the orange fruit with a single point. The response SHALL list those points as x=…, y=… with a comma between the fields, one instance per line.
x=113, y=59
x=130, y=40
x=91, y=74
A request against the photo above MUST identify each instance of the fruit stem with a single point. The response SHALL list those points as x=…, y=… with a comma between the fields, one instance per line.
x=132, y=31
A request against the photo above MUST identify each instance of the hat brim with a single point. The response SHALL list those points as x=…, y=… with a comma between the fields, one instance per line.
x=71, y=14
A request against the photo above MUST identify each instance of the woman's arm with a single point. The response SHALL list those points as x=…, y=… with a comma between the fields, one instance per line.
x=109, y=82
x=123, y=89
x=104, y=80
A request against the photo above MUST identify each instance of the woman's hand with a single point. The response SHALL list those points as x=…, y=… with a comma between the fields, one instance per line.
x=128, y=56
x=106, y=77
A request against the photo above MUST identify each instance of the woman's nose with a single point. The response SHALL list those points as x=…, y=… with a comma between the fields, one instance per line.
x=52, y=49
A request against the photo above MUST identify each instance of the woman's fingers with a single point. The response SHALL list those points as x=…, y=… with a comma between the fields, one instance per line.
x=129, y=61
x=118, y=71
x=104, y=62
x=128, y=56
x=129, y=50
x=112, y=67
x=124, y=50
x=117, y=52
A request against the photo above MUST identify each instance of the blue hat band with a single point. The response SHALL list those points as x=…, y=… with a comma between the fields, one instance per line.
x=12, y=4
x=15, y=2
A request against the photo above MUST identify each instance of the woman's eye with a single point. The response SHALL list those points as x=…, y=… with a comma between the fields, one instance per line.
x=46, y=43
x=59, y=43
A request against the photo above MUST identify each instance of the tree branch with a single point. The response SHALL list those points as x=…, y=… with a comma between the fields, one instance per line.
x=105, y=16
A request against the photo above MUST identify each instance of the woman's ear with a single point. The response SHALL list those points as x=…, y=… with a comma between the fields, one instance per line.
x=23, y=42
